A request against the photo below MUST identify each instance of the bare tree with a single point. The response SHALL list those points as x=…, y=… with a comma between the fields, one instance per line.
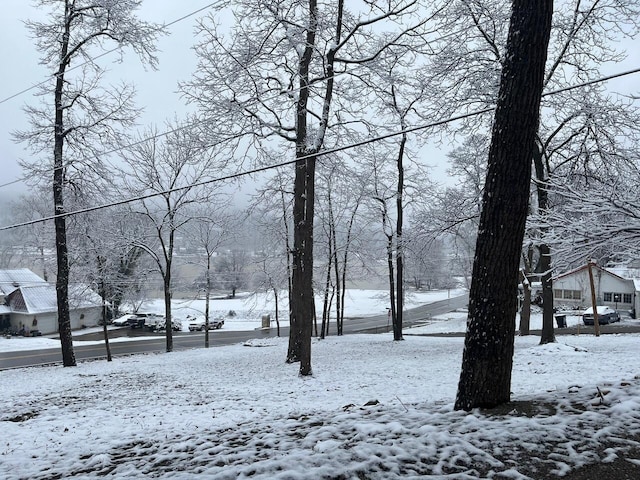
x=271, y=208
x=35, y=241
x=600, y=220
x=79, y=116
x=173, y=167
x=230, y=268
x=208, y=232
x=340, y=200
x=584, y=38
x=485, y=379
x=277, y=77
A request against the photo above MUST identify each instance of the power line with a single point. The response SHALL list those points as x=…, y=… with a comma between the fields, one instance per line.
x=309, y=156
x=410, y=130
x=252, y=101
x=305, y=157
x=92, y=59
x=249, y=172
x=592, y=82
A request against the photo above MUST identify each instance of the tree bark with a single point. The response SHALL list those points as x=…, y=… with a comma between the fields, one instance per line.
x=207, y=301
x=301, y=301
x=544, y=267
x=548, y=335
x=392, y=286
x=105, y=332
x=485, y=379
x=397, y=325
x=60, y=222
x=525, y=310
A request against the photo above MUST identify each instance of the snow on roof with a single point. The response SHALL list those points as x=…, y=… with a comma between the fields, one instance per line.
x=34, y=299
x=610, y=271
x=625, y=272
x=12, y=279
x=42, y=298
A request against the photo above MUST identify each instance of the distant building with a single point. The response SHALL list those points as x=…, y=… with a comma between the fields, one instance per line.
x=29, y=303
x=615, y=287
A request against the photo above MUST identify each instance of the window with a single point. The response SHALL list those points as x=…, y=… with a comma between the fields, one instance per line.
x=608, y=296
x=557, y=294
x=627, y=298
x=572, y=294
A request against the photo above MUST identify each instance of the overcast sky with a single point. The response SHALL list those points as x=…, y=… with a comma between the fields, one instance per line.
x=156, y=89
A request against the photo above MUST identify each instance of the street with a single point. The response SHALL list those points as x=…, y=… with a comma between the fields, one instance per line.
x=187, y=340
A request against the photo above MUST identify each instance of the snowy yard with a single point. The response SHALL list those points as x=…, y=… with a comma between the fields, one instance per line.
x=374, y=409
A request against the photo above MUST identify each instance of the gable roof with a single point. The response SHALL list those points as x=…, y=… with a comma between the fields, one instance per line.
x=10, y=280
x=585, y=267
x=42, y=298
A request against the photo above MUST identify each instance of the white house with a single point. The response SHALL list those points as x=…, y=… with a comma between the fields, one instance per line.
x=30, y=303
x=616, y=288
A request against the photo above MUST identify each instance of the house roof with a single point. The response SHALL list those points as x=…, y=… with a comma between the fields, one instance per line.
x=625, y=272
x=585, y=267
x=42, y=298
x=12, y=279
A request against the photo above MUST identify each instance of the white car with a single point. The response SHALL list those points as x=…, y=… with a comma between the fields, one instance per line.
x=200, y=324
x=121, y=321
x=606, y=315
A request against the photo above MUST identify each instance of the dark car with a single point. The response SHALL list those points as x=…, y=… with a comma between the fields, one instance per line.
x=606, y=315
x=140, y=320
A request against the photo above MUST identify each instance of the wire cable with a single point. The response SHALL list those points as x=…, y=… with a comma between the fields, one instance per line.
x=413, y=129
x=305, y=157
x=252, y=101
x=92, y=59
x=249, y=172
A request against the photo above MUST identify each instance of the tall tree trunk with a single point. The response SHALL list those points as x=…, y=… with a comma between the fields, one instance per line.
x=207, y=301
x=392, y=286
x=325, y=303
x=397, y=325
x=301, y=300
x=485, y=378
x=275, y=296
x=336, y=267
x=105, y=332
x=168, y=253
x=62, y=252
x=525, y=310
x=308, y=308
x=548, y=335
x=167, y=309
x=345, y=259
x=100, y=263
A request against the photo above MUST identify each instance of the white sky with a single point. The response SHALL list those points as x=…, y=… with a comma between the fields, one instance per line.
x=156, y=89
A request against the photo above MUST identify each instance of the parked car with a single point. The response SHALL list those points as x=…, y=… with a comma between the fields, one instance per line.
x=121, y=321
x=176, y=325
x=141, y=320
x=200, y=324
x=606, y=315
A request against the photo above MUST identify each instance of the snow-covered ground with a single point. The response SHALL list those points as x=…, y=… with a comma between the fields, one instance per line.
x=374, y=409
